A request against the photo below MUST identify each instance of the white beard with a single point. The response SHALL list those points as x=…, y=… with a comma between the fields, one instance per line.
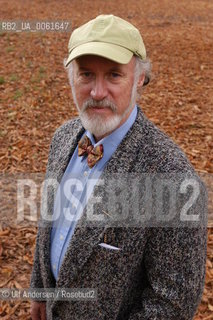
x=95, y=123
x=97, y=126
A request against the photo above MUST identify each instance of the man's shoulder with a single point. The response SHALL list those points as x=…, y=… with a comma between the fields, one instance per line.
x=158, y=148
x=68, y=129
x=69, y=126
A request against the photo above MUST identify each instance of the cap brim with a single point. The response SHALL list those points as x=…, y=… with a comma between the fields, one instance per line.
x=107, y=50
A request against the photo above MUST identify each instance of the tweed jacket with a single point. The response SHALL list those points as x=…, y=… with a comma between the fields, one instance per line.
x=159, y=271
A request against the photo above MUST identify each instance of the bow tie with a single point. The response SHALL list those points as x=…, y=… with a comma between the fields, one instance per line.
x=94, y=154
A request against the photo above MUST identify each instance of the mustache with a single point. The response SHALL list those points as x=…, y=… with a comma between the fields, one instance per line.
x=105, y=103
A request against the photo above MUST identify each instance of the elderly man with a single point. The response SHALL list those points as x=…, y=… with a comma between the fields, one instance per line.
x=146, y=265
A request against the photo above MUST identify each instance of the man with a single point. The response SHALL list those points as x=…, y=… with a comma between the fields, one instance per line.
x=148, y=269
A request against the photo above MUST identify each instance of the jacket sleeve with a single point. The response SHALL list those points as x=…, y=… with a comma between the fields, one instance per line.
x=175, y=265
x=36, y=279
x=36, y=275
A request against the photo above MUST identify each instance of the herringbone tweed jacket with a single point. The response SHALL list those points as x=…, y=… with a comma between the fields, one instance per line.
x=159, y=271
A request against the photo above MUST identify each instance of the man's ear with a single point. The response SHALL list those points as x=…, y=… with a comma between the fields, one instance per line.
x=141, y=80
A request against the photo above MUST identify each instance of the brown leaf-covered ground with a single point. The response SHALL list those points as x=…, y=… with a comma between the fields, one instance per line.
x=35, y=99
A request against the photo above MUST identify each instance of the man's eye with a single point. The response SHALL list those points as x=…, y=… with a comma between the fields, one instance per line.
x=86, y=74
x=115, y=75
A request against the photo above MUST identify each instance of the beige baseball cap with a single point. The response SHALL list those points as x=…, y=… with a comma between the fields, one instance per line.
x=107, y=36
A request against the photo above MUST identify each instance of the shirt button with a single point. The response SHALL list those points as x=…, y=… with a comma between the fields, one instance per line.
x=54, y=267
x=73, y=205
x=85, y=173
x=61, y=237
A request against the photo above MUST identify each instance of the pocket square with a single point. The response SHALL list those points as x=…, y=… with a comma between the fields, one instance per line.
x=108, y=246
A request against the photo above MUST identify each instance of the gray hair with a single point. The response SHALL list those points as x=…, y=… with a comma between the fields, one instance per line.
x=69, y=70
x=143, y=66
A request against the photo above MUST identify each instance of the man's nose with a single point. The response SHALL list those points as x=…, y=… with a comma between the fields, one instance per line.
x=99, y=89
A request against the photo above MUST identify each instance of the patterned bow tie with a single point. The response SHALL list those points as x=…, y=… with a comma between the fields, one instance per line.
x=85, y=147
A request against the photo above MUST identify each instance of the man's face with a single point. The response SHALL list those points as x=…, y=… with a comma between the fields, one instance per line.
x=103, y=93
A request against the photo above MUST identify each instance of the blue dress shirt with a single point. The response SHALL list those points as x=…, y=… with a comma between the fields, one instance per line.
x=75, y=189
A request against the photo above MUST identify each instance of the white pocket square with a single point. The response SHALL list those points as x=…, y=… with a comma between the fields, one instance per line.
x=108, y=246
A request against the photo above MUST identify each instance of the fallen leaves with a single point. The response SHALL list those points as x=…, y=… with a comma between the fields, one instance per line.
x=16, y=259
